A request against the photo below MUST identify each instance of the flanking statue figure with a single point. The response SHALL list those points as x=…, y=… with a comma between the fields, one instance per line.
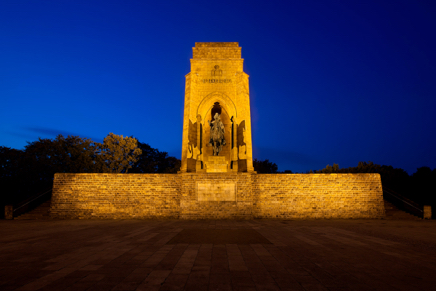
x=217, y=139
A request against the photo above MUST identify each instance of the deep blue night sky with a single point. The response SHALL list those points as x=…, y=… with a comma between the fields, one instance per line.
x=330, y=81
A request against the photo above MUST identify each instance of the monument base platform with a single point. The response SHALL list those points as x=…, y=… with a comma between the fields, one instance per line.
x=217, y=196
x=216, y=164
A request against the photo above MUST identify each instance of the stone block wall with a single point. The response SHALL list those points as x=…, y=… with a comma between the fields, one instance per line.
x=222, y=50
x=115, y=196
x=289, y=196
x=191, y=207
x=217, y=196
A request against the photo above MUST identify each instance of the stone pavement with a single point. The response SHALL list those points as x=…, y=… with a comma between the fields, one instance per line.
x=217, y=255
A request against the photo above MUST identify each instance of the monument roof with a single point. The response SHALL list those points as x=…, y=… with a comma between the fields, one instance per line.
x=216, y=50
x=216, y=44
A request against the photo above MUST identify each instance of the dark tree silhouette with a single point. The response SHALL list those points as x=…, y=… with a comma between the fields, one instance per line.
x=264, y=167
x=154, y=161
x=12, y=174
x=24, y=173
x=424, y=185
x=72, y=154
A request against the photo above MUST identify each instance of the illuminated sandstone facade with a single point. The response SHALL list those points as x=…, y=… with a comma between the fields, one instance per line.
x=217, y=196
x=223, y=186
x=217, y=84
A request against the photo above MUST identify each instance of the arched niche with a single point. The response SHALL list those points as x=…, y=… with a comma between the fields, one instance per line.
x=208, y=102
x=225, y=118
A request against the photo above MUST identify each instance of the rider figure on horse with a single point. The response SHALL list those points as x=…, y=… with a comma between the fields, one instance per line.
x=217, y=134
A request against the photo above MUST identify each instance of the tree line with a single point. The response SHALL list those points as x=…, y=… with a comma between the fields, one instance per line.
x=24, y=173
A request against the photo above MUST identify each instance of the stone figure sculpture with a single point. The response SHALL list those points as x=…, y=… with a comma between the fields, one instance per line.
x=216, y=71
x=217, y=139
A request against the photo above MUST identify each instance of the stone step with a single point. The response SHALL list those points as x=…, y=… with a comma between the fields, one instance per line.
x=40, y=212
x=43, y=212
x=392, y=212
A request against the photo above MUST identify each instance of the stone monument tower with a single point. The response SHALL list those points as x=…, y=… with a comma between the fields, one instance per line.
x=217, y=122
x=217, y=179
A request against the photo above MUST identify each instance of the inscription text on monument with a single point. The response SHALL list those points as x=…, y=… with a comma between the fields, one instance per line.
x=216, y=80
x=216, y=192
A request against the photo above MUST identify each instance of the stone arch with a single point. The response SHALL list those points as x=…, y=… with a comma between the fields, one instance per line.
x=207, y=103
x=209, y=109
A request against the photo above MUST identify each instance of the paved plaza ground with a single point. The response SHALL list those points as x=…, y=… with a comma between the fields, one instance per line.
x=217, y=255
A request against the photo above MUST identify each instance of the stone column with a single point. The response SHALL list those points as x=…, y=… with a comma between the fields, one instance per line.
x=185, y=138
x=234, y=150
x=427, y=212
x=9, y=212
x=199, y=152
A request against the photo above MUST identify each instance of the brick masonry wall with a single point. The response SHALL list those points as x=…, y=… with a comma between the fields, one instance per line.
x=291, y=196
x=283, y=196
x=115, y=196
x=191, y=208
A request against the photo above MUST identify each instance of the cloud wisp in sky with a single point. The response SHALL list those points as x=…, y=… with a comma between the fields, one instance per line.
x=53, y=133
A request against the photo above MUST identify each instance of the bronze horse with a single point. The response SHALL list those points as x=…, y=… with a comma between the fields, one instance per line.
x=217, y=135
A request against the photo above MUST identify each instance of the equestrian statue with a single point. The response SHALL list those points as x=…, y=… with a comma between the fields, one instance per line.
x=216, y=134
